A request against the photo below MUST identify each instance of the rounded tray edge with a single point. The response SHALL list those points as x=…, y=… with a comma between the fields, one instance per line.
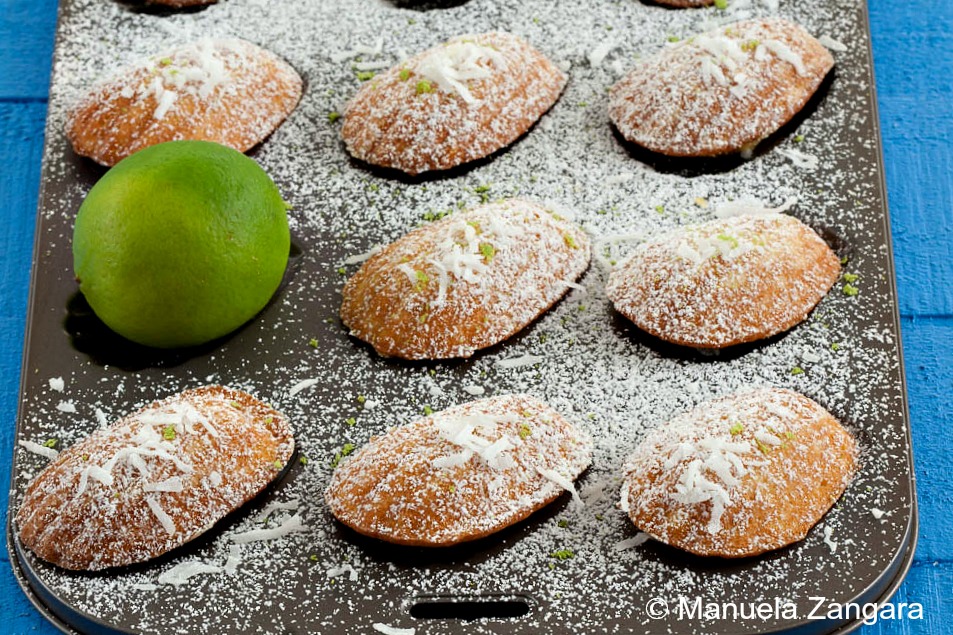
x=886, y=586
x=59, y=614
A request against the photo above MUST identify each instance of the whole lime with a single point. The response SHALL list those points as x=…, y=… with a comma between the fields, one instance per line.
x=181, y=243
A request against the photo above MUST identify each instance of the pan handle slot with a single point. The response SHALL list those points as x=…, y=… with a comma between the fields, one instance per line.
x=470, y=607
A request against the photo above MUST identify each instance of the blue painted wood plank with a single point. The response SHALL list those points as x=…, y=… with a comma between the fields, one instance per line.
x=26, y=40
x=928, y=584
x=21, y=149
x=928, y=348
x=914, y=68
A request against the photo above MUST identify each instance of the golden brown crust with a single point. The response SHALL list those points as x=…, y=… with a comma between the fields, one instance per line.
x=416, y=486
x=193, y=457
x=725, y=282
x=722, y=91
x=740, y=475
x=228, y=91
x=464, y=282
x=415, y=117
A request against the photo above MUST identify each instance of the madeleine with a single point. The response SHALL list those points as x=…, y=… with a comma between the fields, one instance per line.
x=740, y=475
x=228, y=91
x=465, y=282
x=720, y=92
x=459, y=101
x=725, y=282
x=154, y=480
x=459, y=474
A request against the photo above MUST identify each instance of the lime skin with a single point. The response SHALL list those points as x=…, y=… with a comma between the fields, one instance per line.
x=181, y=243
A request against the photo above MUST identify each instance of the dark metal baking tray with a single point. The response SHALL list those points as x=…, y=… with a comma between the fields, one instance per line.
x=596, y=368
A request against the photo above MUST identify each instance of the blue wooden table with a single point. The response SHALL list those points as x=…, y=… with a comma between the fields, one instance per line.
x=913, y=51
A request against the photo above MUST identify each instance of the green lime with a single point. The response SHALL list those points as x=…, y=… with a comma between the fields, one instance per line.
x=181, y=243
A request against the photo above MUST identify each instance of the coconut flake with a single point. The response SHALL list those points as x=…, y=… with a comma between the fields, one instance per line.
x=828, y=532
x=66, y=406
x=166, y=101
x=57, y=384
x=600, y=53
x=184, y=571
x=164, y=519
x=234, y=559
x=290, y=526
x=461, y=431
x=474, y=390
x=832, y=44
x=359, y=258
x=361, y=49
x=392, y=630
x=573, y=285
x=272, y=507
x=750, y=206
x=518, y=362
x=173, y=484
x=800, y=159
x=636, y=540
x=336, y=572
x=36, y=448
x=562, y=481
x=784, y=52
x=452, y=65
x=302, y=385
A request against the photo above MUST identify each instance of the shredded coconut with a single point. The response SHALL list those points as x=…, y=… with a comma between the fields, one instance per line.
x=290, y=526
x=36, y=448
x=181, y=573
x=518, y=362
x=454, y=64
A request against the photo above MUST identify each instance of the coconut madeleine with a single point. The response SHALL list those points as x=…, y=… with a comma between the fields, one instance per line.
x=228, y=91
x=465, y=282
x=460, y=474
x=740, y=475
x=459, y=101
x=154, y=480
x=722, y=91
x=725, y=282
